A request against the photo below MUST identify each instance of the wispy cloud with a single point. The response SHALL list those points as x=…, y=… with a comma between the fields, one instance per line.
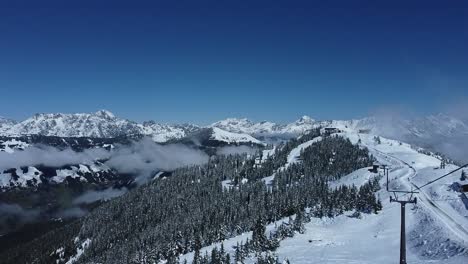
x=93, y=196
x=233, y=150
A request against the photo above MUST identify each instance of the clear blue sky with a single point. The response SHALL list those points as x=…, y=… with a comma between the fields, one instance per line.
x=200, y=61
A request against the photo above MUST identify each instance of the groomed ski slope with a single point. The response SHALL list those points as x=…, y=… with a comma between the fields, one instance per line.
x=293, y=157
x=375, y=238
x=434, y=227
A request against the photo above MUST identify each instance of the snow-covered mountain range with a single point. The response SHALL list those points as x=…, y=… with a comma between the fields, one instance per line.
x=101, y=124
x=104, y=124
x=439, y=132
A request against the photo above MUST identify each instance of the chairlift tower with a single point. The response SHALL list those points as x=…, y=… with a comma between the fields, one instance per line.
x=396, y=199
x=411, y=200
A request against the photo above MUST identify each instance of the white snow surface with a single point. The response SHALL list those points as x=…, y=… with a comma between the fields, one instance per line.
x=79, y=251
x=72, y=173
x=30, y=177
x=293, y=156
x=11, y=145
x=268, y=153
x=230, y=243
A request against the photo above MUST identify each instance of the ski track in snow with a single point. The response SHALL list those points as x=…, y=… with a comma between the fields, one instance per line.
x=293, y=157
x=457, y=229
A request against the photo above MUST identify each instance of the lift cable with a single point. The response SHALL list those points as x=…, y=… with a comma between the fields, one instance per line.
x=443, y=176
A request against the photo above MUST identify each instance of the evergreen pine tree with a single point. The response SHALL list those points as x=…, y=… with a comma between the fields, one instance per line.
x=377, y=206
x=259, y=239
x=298, y=224
x=222, y=252
x=197, y=259
x=205, y=259
x=215, y=256
x=442, y=164
x=377, y=140
x=238, y=254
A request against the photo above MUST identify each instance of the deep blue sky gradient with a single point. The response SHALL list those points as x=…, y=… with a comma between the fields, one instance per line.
x=200, y=61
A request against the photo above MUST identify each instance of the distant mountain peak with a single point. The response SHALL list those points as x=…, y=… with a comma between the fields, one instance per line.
x=234, y=121
x=305, y=120
x=105, y=114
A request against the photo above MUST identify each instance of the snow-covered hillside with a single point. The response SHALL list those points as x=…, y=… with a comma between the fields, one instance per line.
x=5, y=124
x=229, y=137
x=164, y=132
x=243, y=125
x=440, y=132
x=431, y=235
x=12, y=145
x=437, y=226
x=32, y=176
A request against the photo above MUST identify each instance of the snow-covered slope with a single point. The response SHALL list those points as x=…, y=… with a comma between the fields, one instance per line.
x=439, y=133
x=229, y=137
x=299, y=126
x=32, y=176
x=6, y=124
x=293, y=156
x=436, y=226
x=164, y=132
x=423, y=128
x=243, y=125
x=12, y=144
